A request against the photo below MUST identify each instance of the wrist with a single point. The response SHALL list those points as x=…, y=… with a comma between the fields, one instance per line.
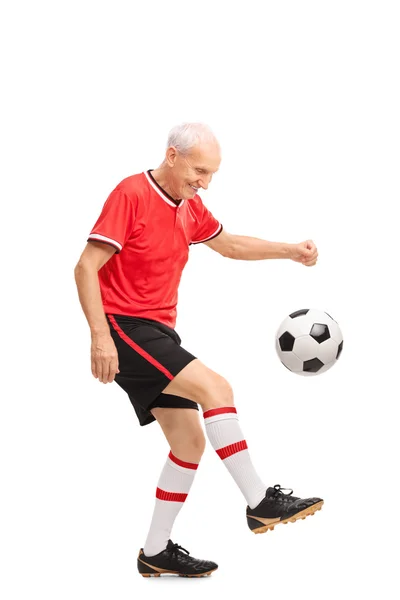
x=100, y=333
x=287, y=250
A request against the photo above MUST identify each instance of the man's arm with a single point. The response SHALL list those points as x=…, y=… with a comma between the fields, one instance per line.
x=241, y=247
x=94, y=256
x=103, y=353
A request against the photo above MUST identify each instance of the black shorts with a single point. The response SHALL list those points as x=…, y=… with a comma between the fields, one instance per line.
x=149, y=357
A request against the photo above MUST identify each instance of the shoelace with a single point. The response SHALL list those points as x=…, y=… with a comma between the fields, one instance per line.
x=175, y=548
x=279, y=491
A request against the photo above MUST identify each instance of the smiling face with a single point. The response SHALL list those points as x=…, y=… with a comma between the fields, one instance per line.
x=192, y=171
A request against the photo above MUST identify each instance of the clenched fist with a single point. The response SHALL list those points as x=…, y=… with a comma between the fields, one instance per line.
x=305, y=253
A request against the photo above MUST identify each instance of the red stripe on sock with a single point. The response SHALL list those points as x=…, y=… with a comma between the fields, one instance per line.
x=170, y=496
x=138, y=349
x=182, y=463
x=219, y=411
x=232, y=449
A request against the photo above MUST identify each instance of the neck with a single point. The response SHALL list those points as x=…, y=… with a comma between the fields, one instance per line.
x=161, y=175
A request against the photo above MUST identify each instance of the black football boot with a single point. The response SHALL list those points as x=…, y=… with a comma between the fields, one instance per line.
x=173, y=561
x=278, y=507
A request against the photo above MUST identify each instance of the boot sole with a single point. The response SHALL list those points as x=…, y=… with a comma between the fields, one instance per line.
x=269, y=524
x=175, y=573
x=153, y=571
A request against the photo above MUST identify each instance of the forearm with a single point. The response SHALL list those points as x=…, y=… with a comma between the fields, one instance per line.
x=87, y=282
x=249, y=248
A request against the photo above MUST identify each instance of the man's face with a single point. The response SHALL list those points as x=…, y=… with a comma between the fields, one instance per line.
x=193, y=171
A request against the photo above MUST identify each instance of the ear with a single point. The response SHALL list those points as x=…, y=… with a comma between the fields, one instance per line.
x=171, y=156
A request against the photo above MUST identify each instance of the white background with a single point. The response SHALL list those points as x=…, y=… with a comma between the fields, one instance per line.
x=304, y=97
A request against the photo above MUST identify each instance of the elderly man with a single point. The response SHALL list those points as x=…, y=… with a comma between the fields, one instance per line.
x=127, y=279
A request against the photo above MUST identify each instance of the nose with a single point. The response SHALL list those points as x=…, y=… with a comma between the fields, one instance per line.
x=205, y=181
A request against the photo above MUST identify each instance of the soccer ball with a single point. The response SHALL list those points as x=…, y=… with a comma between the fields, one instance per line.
x=309, y=342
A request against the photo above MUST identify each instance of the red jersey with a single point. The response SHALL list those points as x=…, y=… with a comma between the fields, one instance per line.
x=151, y=233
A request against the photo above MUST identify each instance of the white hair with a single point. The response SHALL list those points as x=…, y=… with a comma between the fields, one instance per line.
x=187, y=135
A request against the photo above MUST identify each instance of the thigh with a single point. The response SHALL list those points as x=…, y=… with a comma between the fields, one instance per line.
x=201, y=384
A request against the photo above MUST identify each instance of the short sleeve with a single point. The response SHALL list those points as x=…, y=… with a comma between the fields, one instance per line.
x=208, y=226
x=116, y=220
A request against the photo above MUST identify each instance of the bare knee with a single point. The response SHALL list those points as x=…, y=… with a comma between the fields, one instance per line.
x=183, y=431
x=189, y=447
x=197, y=442
x=216, y=394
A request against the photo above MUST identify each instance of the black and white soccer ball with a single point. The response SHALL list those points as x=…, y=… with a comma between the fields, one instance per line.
x=309, y=342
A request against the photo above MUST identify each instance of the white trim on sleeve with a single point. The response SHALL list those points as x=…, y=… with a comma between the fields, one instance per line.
x=103, y=238
x=216, y=232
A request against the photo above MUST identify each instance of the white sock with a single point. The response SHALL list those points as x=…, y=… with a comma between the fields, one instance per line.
x=226, y=437
x=173, y=486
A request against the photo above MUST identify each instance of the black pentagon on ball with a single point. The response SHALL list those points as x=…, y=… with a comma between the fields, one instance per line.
x=286, y=342
x=299, y=313
x=320, y=332
x=313, y=365
x=340, y=348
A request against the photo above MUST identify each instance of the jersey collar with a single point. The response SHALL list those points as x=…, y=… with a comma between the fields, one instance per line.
x=164, y=195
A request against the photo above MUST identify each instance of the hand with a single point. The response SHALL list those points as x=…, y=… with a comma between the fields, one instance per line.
x=104, y=358
x=305, y=253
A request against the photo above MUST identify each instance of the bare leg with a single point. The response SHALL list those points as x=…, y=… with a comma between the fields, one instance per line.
x=183, y=429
